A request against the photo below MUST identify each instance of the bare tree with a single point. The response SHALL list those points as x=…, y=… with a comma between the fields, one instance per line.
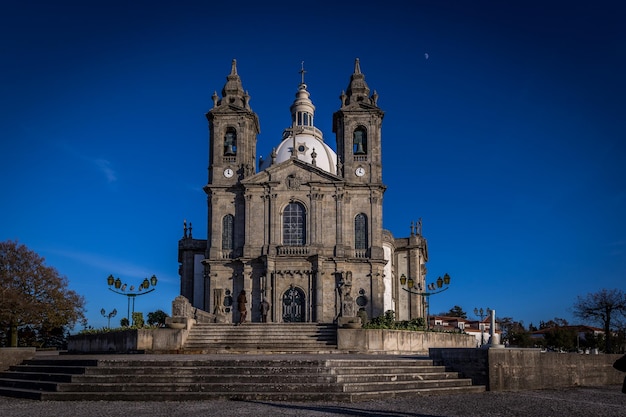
x=605, y=307
x=32, y=293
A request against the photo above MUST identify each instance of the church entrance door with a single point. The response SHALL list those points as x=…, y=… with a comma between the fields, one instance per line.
x=293, y=305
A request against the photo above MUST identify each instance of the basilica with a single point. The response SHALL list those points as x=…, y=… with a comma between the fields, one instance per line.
x=302, y=229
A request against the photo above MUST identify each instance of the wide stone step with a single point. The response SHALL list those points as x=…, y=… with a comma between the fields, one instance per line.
x=36, y=376
x=260, y=330
x=40, y=385
x=182, y=372
x=284, y=378
x=204, y=379
x=242, y=347
x=224, y=336
x=405, y=385
x=267, y=339
x=266, y=327
x=397, y=377
x=303, y=396
x=239, y=386
x=259, y=385
x=165, y=377
x=261, y=337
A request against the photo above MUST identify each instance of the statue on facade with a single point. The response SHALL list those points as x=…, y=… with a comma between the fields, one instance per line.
x=347, y=301
x=264, y=308
x=348, y=316
x=348, y=309
x=181, y=307
x=220, y=310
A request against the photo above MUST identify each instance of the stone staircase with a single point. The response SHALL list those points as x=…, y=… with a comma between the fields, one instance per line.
x=262, y=338
x=303, y=377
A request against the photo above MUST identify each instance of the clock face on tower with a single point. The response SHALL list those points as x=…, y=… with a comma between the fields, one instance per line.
x=360, y=171
x=228, y=172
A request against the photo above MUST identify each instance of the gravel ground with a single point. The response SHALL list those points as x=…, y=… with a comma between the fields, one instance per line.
x=606, y=401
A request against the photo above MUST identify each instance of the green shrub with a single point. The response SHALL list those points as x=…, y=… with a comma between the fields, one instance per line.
x=138, y=319
x=112, y=330
x=157, y=318
x=388, y=321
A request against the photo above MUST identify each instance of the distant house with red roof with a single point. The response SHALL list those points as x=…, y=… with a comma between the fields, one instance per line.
x=480, y=329
x=580, y=330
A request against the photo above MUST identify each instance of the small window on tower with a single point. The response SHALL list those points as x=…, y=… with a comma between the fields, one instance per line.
x=230, y=142
x=360, y=231
x=228, y=237
x=360, y=141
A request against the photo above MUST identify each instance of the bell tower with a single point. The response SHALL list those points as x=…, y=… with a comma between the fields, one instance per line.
x=357, y=125
x=233, y=130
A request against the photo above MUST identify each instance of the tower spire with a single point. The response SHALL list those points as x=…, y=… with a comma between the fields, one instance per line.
x=302, y=109
x=302, y=72
x=233, y=90
x=357, y=90
x=357, y=66
x=233, y=67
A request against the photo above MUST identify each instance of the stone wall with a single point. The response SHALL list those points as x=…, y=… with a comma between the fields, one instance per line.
x=399, y=341
x=129, y=341
x=470, y=362
x=14, y=356
x=513, y=369
x=353, y=340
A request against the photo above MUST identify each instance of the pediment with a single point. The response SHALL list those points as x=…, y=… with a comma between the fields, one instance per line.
x=293, y=173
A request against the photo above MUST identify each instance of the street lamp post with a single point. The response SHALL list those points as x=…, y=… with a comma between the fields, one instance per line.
x=482, y=314
x=109, y=316
x=433, y=288
x=116, y=285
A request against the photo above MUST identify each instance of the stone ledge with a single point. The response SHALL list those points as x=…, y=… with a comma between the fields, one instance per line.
x=516, y=369
x=14, y=356
x=129, y=341
x=399, y=341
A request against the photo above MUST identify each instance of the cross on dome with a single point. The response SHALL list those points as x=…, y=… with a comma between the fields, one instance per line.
x=302, y=72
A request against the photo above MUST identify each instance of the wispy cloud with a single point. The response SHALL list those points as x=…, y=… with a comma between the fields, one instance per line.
x=105, y=167
x=100, y=164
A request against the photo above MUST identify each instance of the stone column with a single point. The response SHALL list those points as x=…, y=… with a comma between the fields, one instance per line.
x=494, y=338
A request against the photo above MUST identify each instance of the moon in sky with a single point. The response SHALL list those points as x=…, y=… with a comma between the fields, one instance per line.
x=426, y=56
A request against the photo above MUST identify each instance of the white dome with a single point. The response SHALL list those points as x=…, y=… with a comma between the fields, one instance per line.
x=305, y=145
x=308, y=145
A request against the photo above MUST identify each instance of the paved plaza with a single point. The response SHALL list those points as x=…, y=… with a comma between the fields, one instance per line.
x=606, y=401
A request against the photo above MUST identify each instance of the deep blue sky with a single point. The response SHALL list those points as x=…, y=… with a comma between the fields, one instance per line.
x=505, y=131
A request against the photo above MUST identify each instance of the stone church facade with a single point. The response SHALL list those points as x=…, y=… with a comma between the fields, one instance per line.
x=303, y=228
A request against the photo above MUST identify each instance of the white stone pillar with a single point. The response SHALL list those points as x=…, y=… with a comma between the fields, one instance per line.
x=494, y=339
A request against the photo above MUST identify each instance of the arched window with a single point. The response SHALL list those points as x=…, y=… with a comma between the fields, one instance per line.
x=230, y=142
x=228, y=237
x=304, y=119
x=294, y=225
x=360, y=231
x=360, y=141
